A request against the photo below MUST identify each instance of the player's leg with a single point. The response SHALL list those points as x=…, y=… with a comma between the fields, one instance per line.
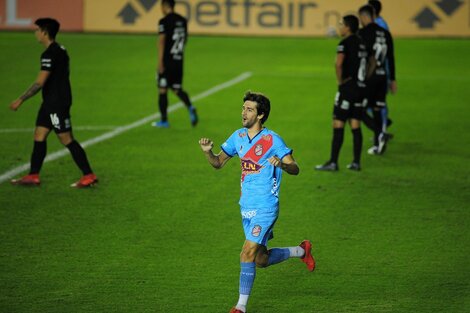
x=41, y=131
x=177, y=86
x=355, y=124
x=340, y=114
x=247, y=273
x=37, y=158
x=265, y=257
x=63, y=130
x=162, y=82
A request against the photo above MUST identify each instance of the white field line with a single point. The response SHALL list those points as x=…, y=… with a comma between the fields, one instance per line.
x=119, y=130
x=30, y=130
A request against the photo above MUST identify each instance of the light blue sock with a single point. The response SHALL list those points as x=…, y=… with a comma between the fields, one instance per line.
x=278, y=255
x=247, y=277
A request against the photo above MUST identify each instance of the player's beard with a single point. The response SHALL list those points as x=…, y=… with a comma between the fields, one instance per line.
x=247, y=123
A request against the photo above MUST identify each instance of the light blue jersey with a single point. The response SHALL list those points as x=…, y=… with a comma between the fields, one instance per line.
x=381, y=22
x=260, y=181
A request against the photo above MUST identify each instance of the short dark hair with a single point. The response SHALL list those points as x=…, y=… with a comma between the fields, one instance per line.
x=263, y=105
x=48, y=25
x=170, y=3
x=367, y=10
x=376, y=5
x=352, y=22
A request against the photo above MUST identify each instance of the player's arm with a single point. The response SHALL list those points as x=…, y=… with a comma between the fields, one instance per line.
x=371, y=65
x=391, y=65
x=161, y=49
x=287, y=164
x=32, y=90
x=216, y=160
x=339, y=67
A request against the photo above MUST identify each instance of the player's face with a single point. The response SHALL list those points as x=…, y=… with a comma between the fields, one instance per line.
x=40, y=35
x=342, y=29
x=249, y=114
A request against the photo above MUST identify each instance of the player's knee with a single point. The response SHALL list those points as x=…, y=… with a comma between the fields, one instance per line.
x=261, y=261
x=248, y=255
x=162, y=91
x=65, y=139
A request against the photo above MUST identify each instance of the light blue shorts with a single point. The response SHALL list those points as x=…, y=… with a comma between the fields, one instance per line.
x=258, y=224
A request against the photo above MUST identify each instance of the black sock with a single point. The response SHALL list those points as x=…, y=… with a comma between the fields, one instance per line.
x=338, y=135
x=368, y=121
x=163, y=104
x=79, y=156
x=357, y=144
x=184, y=97
x=378, y=126
x=38, y=156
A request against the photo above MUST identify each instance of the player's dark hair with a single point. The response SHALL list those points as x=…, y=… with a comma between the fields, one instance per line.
x=263, y=105
x=352, y=22
x=48, y=25
x=367, y=10
x=170, y=3
x=376, y=5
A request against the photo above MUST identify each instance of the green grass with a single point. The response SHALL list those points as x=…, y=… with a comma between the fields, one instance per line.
x=161, y=232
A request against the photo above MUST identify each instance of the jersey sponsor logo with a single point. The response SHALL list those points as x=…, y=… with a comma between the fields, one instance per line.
x=256, y=230
x=241, y=135
x=250, y=167
x=259, y=149
x=249, y=214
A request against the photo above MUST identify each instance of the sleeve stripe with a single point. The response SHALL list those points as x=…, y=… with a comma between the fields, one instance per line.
x=226, y=152
x=290, y=152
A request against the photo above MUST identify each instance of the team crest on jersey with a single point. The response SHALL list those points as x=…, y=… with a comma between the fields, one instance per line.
x=250, y=167
x=256, y=231
x=259, y=150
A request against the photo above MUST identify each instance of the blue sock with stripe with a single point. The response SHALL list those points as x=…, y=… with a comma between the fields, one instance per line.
x=247, y=277
x=278, y=255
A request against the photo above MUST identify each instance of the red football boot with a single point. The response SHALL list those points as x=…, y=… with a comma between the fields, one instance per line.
x=308, y=257
x=28, y=180
x=235, y=310
x=86, y=181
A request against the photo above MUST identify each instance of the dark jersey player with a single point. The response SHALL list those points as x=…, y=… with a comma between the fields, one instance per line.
x=173, y=34
x=351, y=72
x=379, y=43
x=54, y=113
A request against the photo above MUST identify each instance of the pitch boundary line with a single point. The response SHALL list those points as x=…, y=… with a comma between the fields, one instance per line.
x=121, y=129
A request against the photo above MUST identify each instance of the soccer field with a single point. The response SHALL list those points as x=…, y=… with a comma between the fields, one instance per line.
x=161, y=232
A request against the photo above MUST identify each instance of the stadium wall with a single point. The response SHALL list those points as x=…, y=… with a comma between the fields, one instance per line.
x=306, y=18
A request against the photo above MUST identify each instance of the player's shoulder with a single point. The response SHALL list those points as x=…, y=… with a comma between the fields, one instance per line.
x=272, y=134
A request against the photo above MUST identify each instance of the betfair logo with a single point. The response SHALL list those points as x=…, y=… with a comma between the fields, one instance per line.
x=233, y=14
x=129, y=13
x=427, y=17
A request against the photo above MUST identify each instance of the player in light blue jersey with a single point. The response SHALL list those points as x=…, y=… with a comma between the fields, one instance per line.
x=264, y=156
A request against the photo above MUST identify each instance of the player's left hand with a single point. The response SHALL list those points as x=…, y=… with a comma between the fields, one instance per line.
x=274, y=160
x=15, y=104
x=393, y=87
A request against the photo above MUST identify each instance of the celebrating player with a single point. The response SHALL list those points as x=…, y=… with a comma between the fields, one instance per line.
x=264, y=156
x=379, y=43
x=351, y=72
x=172, y=38
x=54, y=112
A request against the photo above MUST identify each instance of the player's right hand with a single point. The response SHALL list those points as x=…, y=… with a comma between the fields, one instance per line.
x=15, y=104
x=206, y=144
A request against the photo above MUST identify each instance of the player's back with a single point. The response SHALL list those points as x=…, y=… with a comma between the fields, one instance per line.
x=355, y=61
x=378, y=43
x=174, y=26
x=56, y=91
